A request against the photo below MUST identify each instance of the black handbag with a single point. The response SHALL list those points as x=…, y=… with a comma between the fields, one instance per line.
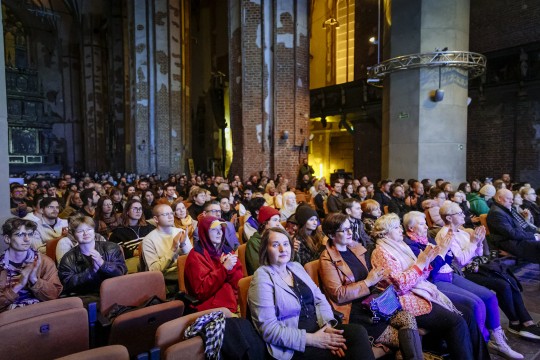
x=383, y=305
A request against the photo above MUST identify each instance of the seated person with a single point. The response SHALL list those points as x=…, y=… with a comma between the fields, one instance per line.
x=268, y=218
x=251, y=225
x=309, y=240
x=509, y=230
x=466, y=249
x=212, y=269
x=26, y=276
x=69, y=242
x=289, y=205
x=480, y=203
x=478, y=304
x=371, y=211
x=83, y=268
x=346, y=278
x=183, y=220
x=408, y=273
x=212, y=208
x=133, y=228
x=291, y=314
x=197, y=195
x=162, y=245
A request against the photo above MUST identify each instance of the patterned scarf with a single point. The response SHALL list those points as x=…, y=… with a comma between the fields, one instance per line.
x=211, y=327
x=13, y=271
x=423, y=288
x=524, y=224
x=417, y=238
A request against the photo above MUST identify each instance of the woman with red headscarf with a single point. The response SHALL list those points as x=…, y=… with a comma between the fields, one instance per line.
x=212, y=268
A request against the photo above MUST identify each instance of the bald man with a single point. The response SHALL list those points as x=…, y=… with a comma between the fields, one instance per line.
x=509, y=230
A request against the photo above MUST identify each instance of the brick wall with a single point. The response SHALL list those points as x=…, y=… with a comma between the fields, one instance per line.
x=502, y=24
x=269, y=86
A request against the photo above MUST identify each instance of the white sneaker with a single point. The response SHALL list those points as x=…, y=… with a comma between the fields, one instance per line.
x=497, y=344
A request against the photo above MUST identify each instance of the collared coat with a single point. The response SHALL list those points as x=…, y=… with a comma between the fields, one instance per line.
x=337, y=279
x=275, y=310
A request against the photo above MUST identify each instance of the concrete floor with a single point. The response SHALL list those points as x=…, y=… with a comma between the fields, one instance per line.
x=529, y=275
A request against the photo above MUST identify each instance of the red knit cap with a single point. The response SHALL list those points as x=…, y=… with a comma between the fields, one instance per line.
x=265, y=213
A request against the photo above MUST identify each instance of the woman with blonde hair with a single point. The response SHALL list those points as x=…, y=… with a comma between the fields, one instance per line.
x=408, y=273
x=270, y=194
x=289, y=205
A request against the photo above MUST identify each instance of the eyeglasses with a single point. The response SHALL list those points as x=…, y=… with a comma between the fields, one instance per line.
x=136, y=209
x=458, y=213
x=214, y=211
x=84, y=231
x=167, y=214
x=23, y=234
x=345, y=230
x=53, y=207
x=533, y=193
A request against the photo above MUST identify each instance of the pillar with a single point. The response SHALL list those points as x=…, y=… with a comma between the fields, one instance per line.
x=158, y=99
x=269, y=67
x=4, y=158
x=422, y=138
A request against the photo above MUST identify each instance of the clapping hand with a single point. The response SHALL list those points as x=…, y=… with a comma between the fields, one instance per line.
x=425, y=257
x=443, y=245
x=229, y=261
x=479, y=234
x=97, y=259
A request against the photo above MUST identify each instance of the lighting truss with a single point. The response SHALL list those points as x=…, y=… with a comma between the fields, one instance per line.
x=474, y=63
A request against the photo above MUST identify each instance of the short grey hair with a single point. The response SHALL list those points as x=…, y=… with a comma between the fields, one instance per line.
x=411, y=219
x=448, y=208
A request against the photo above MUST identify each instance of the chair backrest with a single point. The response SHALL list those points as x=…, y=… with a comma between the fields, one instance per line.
x=241, y=251
x=242, y=219
x=429, y=221
x=385, y=209
x=172, y=332
x=46, y=330
x=181, y=264
x=300, y=197
x=241, y=234
x=483, y=221
x=131, y=289
x=111, y=352
x=142, y=263
x=50, y=248
x=136, y=329
x=243, y=287
x=312, y=268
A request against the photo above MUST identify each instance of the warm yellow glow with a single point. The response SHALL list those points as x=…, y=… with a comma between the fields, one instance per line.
x=228, y=136
x=321, y=172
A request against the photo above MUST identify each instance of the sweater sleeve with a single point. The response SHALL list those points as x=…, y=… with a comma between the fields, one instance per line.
x=403, y=280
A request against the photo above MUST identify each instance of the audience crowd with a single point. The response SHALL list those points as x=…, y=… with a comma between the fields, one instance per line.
x=437, y=244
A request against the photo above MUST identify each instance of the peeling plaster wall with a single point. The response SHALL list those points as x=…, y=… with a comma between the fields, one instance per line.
x=157, y=117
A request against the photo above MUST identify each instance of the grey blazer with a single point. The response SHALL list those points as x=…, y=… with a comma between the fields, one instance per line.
x=275, y=310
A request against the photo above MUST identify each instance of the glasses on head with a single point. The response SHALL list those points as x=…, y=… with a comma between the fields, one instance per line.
x=344, y=230
x=84, y=231
x=21, y=235
x=136, y=209
x=167, y=214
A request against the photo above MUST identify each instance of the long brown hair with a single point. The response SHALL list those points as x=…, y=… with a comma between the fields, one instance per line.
x=124, y=218
x=313, y=241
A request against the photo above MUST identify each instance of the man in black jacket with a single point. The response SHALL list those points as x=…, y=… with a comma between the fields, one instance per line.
x=509, y=230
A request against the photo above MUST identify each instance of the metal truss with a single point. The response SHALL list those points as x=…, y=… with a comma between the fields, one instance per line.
x=473, y=62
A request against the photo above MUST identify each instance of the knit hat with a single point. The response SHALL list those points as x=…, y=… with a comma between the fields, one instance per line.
x=292, y=219
x=303, y=214
x=488, y=190
x=265, y=213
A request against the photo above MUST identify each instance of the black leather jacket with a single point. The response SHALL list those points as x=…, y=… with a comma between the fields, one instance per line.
x=77, y=274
